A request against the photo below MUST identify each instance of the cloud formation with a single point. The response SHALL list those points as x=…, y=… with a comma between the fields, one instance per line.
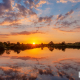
x=62, y=29
x=5, y=6
x=26, y=15
x=66, y=23
x=25, y=33
x=11, y=11
x=21, y=33
x=61, y=17
x=61, y=20
x=65, y=1
x=45, y=19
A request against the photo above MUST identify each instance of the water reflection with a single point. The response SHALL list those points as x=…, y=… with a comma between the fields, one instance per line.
x=1, y=52
x=38, y=72
x=50, y=48
x=36, y=64
x=60, y=48
x=8, y=51
x=42, y=48
x=18, y=51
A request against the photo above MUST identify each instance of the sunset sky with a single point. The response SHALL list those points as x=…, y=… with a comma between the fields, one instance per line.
x=28, y=21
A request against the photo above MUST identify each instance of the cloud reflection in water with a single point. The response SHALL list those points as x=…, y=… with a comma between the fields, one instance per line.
x=39, y=68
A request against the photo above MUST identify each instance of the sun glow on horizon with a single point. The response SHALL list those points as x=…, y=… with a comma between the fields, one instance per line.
x=33, y=43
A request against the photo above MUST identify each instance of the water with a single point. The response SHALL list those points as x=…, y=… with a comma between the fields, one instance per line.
x=40, y=64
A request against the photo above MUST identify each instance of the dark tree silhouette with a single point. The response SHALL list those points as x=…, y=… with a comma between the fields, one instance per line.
x=63, y=43
x=51, y=43
x=18, y=43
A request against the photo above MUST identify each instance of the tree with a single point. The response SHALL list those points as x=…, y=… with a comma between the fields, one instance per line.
x=5, y=43
x=8, y=43
x=51, y=43
x=1, y=43
x=18, y=43
x=63, y=43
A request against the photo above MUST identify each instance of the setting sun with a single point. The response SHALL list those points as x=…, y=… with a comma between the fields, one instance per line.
x=34, y=43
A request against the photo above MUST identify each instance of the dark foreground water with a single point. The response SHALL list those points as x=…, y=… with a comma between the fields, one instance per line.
x=40, y=64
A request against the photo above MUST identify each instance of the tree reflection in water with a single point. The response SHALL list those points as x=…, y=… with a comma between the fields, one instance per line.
x=1, y=52
x=51, y=48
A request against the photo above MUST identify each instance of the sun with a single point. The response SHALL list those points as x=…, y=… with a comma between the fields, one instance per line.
x=33, y=43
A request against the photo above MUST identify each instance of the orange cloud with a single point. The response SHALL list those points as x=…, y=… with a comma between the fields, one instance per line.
x=77, y=29
x=61, y=17
x=20, y=33
x=25, y=33
x=65, y=1
x=41, y=2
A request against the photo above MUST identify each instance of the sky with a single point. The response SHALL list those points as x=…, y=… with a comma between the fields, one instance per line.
x=40, y=21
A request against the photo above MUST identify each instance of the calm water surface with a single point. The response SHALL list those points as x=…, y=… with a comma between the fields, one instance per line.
x=40, y=64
